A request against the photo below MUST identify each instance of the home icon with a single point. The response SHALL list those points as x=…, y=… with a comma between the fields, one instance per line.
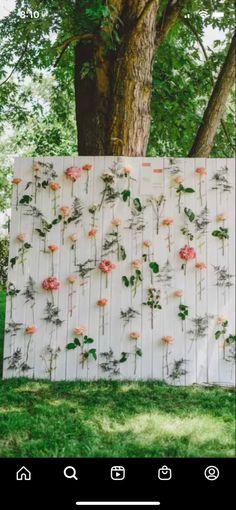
x=23, y=474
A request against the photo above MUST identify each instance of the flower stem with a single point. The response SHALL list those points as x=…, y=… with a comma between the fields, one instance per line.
x=87, y=183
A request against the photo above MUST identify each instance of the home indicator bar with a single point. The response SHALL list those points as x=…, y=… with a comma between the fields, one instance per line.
x=118, y=503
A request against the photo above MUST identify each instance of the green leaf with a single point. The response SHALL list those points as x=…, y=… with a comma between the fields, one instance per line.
x=71, y=346
x=217, y=334
x=154, y=266
x=189, y=213
x=26, y=199
x=77, y=342
x=13, y=261
x=189, y=190
x=88, y=341
x=27, y=246
x=123, y=253
x=125, y=281
x=124, y=357
x=93, y=353
x=132, y=280
x=137, y=204
x=139, y=352
x=125, y=194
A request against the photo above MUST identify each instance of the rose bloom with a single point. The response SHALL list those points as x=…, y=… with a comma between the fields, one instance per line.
x=187, y=253
x=147, y=243
x=201, y=265
x=21, y=237
x=30, y=330
x=54, y=186
x=136, y=264
x=179, y=179
x=135, y=335
x=116, y=222
x=51, y=283
x=53, y=247
x=168, y=339
x=222, y=217
x=168, y=221
x=65, y=210
x=92, y=232
x=87, y=168
x=80, y=331
x=127, y=169
x=221, y=319
x=73, y=237
x=201, y=171
x=107, y=266
x=72, y=278
x=73, y=173
x=102, y=302
x=179, y=293
x=16, y=180
x=36, y=167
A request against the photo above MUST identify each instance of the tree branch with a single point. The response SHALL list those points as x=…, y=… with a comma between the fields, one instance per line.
x=169, y=18
x=16, y=65
x=191, y=27
x=76, y=37
x=215, y=109
x=145, y=11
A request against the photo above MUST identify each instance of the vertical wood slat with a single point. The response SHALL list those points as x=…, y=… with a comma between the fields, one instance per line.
x=154, y=176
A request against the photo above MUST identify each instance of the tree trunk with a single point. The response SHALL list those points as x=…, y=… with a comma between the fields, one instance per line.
x=215, y=109
x=113, y=99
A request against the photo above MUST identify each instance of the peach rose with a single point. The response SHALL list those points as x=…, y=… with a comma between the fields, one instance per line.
x=72, y=278
x=16, y=180
x=54, y=186
x=92, y=232
x=201, y=265
x=36, y=167
x=21, y=237
x=116, y=222
x=65, y=210
x=179, y=293
x=30, y=330
x=201, y=171
x=53, y=247
x=179, y=179
x=135, y=335
x=102, y=302
x=168, y=221
x=80, y=331
x=127, y=169
x=136, y=264
x=222, y=217
x=87, y=168
x=147, y=243
x=168, y=339
x=221, y=319
x=73, y=237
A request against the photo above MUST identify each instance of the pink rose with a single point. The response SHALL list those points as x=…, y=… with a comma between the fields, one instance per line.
x=116, y=222
x=106, y=266
x=80, y=331
x=21, y=237
x=73, y=173
x=168, y=339
x=65, y=210
x=201, y=265
x=179, y=293
x=201, y=171
x=187, y=253
x=135, y=335
x=51, y=283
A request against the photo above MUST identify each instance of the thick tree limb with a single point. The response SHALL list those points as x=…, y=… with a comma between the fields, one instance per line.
x=215, y=109
x=191, y=27
x=169, y=18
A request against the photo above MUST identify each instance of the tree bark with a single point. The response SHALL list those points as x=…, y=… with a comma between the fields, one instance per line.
x=132, y=80
x=215, y=109
x=169, y=19
x=113, y=104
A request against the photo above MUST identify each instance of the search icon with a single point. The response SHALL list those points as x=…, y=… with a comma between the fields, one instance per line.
x=70, y=472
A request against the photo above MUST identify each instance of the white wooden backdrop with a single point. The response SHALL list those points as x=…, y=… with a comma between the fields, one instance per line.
x=198, y=359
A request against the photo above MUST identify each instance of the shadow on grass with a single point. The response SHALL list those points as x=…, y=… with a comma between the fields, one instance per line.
x=114, y=419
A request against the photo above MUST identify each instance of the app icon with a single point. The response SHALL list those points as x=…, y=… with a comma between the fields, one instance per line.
x=164, y=473
x=211, y=473
x=117, y=473
x=70, y=472
x=23, y=474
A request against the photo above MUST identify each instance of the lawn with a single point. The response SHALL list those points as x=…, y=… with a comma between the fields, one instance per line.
x=114, y=419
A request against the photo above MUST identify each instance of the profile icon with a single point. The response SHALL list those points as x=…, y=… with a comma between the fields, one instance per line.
x=211, y=473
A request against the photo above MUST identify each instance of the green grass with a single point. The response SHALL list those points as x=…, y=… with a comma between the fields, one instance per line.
x=114, y=419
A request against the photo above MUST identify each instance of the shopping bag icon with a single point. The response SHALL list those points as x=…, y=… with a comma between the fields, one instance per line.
x=164, y=473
